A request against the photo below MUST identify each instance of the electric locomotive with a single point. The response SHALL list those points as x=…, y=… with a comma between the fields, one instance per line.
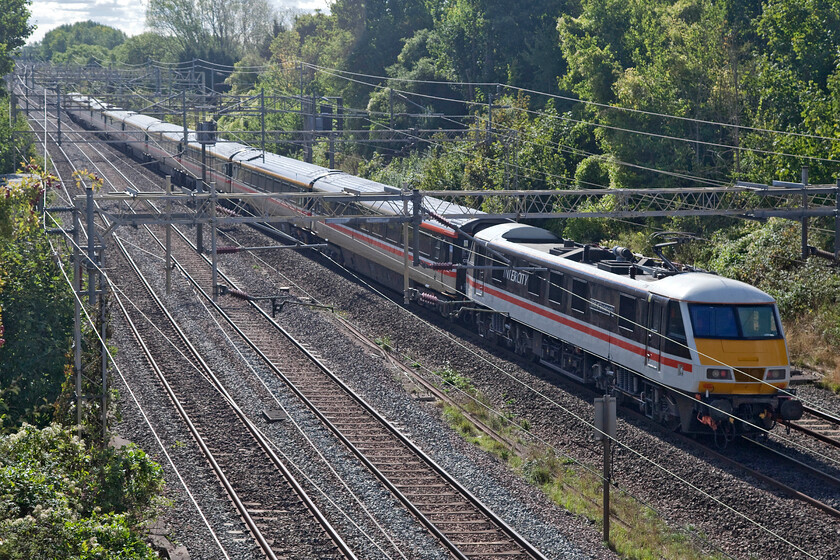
x=690, y=349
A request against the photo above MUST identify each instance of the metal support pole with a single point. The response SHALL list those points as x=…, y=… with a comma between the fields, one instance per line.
x=605, y=430
x=489, y=116
x=46, y=161
x=26, y=88
x=184, y=121
x=58, y=112
x=837, y=224
x=168, y=263
x=262, y=122
x=406, y=280
x=607, y=475
x=103, y=326
x=215, y=269
x=199, y=232
x=332, y=149
x=91, y=257
x=416, y=220
x=12, y=106
x=805, y=251
x=391, y=106
x=77, y=326
x=301, y=88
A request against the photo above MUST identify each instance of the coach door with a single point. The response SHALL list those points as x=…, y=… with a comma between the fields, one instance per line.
x=653, y=335
x=478, y=271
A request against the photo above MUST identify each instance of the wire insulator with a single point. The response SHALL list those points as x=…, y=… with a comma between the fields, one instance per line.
x=223, y=210
x=428, y=298
x=442, y=220
x=227, y=249
x=238, y=294
x=441, y=266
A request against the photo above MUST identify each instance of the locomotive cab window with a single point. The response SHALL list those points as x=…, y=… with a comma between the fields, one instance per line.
x=626, y=313
x=749, y=322
x=580, y=295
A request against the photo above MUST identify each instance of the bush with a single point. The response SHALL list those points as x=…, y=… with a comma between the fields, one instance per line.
x=61, y=500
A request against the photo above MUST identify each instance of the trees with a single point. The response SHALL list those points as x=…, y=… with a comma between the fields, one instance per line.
x=59, y=40
x=140, y=48
x=232, y=27
x=14, y=29
x=487, y=41
x=37, y=311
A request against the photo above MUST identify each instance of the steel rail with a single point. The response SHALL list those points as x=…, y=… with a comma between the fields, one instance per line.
x=527, y=547
x=259, y=438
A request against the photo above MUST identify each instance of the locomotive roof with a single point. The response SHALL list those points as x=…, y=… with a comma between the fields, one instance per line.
x=698, y=287
x=543, y=247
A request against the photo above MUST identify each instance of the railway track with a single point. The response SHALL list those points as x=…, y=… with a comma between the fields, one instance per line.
x=818, y=425
x=466, y=527
x=281, y=517
x=272, y=504
x=458, y=520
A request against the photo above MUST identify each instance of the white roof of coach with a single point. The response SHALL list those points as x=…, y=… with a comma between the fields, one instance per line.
x=141, y=121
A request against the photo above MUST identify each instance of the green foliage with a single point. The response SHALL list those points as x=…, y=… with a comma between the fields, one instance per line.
x=83, y=55
x=63, y=38
x=140, y=48
x=14, y=29
x=61, y=500
x=14, y=148
x=453, y=380
x=769, y=258
x=37, y=309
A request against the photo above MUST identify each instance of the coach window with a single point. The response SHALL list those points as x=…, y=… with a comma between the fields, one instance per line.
x=440, y=250
x=392, y=233
x=580, y=295
x=626, y=312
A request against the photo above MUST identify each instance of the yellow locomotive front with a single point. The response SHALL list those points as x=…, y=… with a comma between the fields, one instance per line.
x=743, y=365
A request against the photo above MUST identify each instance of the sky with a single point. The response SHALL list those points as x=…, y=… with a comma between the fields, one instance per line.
x=127, y=15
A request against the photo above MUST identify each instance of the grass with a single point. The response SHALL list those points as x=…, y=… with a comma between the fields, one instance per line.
x=811, y=347
x=384, y=342
x=636, y=531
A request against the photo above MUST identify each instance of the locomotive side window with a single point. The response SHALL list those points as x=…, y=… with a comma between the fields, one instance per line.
x=535, y=283
x=676, y=330
x=626, y=313
x=479, y=259
x=498, y=272
x=580, y=295
x=555, y=288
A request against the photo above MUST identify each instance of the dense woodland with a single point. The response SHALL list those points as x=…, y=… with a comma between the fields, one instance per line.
x=583, y=94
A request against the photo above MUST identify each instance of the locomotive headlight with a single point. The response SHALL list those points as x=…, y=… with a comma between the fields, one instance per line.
x=718, y=373
x=775, y=374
